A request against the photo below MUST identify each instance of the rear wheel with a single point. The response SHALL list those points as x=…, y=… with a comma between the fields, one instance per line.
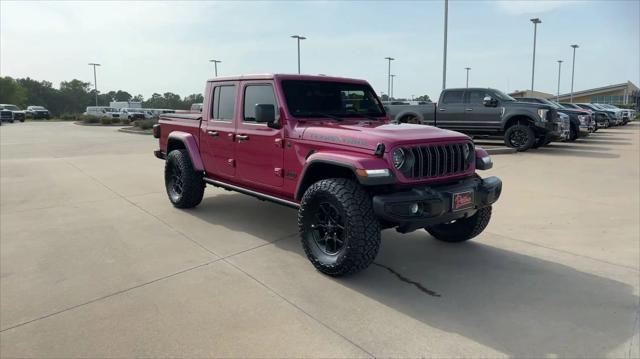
x=339, y=231
x=185, y=187
x=463, y=229
x=520, y=137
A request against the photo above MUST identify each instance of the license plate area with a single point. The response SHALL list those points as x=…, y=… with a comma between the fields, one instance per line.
x=462, y=200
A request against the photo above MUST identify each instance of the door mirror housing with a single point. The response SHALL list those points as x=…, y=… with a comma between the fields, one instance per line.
x=489, y=101
x=266, y=113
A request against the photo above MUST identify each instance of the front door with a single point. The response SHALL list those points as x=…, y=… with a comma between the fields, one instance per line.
x=259, y=148
x=480, y=117
x=217, y=138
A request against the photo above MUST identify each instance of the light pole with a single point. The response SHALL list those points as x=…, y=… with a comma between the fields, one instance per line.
x=392, y=76
x=573, y=68
x=298, y=37
x=95, y=81
x=535, y=22
x=467, y=68
x=444, y=56
x=215, y=66
x=559, y=69
x=389, y=76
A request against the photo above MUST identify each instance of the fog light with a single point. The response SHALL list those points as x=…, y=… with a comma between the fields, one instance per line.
x=414, y=208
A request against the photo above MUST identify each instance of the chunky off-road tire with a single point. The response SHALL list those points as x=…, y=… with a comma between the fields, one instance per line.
x=338, y=229
x=519, y=136
x=462, y=229
x=185, y=187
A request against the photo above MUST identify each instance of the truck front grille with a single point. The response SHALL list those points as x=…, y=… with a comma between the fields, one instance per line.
x=438, y=160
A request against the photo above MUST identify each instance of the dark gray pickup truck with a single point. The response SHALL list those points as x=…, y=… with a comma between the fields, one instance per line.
x=486, y=112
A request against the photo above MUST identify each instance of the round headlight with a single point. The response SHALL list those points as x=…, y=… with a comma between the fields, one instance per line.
x=398, y=157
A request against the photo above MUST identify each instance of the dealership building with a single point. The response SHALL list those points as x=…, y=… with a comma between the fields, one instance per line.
x=620, y=94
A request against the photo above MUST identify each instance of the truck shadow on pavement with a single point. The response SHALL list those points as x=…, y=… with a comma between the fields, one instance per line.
x=513, y=303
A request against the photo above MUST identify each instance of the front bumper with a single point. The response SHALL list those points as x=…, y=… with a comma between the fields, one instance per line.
x=435, y=203
x=552, y=130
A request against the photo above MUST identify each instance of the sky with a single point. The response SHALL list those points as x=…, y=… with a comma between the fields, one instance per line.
x=147, y=47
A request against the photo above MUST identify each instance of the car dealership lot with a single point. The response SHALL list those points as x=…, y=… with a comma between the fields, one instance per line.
x=95, y=262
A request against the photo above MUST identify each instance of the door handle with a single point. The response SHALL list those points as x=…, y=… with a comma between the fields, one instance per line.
x=468, y=109
x=242, y=138
x=442, y=109
x=212, y=133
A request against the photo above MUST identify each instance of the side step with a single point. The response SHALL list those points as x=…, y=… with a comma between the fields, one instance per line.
x=258, y=195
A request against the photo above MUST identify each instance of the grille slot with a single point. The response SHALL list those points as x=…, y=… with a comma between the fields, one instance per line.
x=438, y=160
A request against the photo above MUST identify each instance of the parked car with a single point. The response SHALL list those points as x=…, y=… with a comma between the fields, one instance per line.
x=579, y=121
x=324, y=145
x=196, y=107
x=16, y=113
x=621, y=113
x=37, y=112
x=616, y=114
x=608, y=117
x=102, y=111
x=6, y=116
x=585, y=117
x=600, y=118
x=486, y=112
x=132, y=113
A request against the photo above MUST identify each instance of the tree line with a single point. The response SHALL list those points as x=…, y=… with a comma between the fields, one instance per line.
x=74, y=96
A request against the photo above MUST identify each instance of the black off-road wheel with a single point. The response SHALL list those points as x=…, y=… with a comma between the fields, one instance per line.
x=185, y=187
x=520, y=137
x=463, y=229
x=339, y=231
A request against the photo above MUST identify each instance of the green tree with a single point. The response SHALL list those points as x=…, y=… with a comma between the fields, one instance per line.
x=12, y=92
x=191, y=99
x=423, y=98
x=122, y=96
x=75, y=96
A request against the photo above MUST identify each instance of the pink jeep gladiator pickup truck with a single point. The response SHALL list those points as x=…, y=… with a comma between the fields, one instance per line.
x=325, y=146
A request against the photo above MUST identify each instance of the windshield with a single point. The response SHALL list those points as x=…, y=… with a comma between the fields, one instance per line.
x=11, y=107
x=608, y=106
x=559, y=105
x=550, y=103
x=330, y=99
x=37, y=108
x=503, y=96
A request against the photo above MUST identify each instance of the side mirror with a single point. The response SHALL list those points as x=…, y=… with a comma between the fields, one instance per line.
x=266, y=113
x=489, y=101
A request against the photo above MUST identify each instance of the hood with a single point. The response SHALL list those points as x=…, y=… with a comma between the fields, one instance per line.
x=573, y=111
x=368, y=135
x=530, y=105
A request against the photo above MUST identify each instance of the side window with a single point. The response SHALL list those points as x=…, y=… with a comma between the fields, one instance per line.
x=257, y=94
x=451, y=97
x=476, y=97
x=224, y=100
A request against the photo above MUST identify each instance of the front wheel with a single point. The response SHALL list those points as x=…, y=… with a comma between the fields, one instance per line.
x=185, y=187
x=463, y=229
x=339, y=231
x=520, y=137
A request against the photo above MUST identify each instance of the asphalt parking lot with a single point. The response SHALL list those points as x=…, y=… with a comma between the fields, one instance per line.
x=95, y=262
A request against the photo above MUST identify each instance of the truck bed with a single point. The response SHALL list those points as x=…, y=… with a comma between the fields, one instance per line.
x=184, y=122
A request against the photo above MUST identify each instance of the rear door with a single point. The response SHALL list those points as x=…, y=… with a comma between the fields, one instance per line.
x=450, y=112
x=217, y=140
x=259, y=148
x=478, y=116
